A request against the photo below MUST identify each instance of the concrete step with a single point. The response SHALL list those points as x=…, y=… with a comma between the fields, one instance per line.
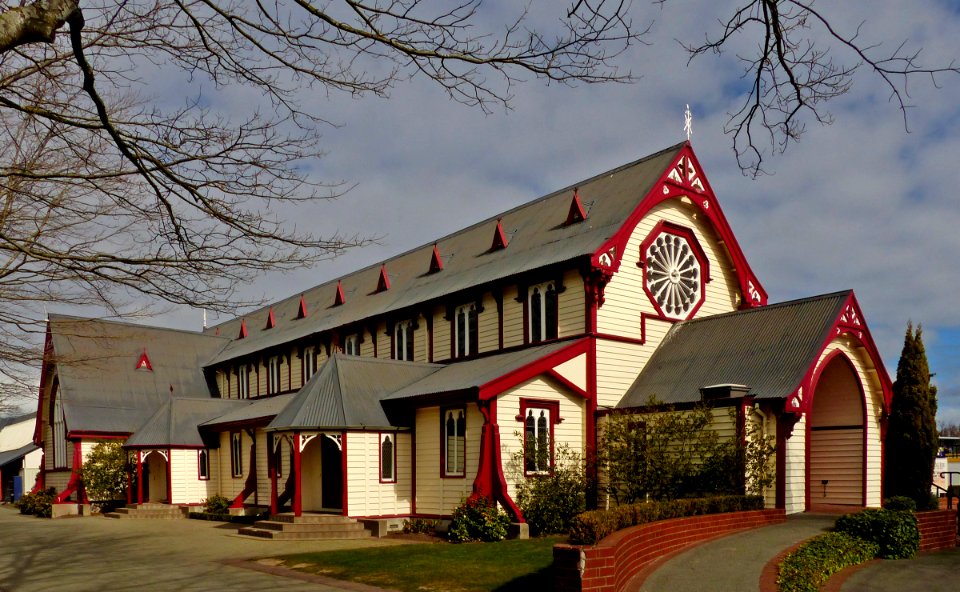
x=302, y=535
x=148, y=512
x=307, y=526
x=311, y=518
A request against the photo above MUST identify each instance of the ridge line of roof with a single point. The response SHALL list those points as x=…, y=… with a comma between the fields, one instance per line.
x=460, y=231
x=760, y=309
x=59, y=316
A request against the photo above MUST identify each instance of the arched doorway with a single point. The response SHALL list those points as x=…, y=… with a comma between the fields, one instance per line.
x=322, y=482
x=155, y=477
x=835, y=440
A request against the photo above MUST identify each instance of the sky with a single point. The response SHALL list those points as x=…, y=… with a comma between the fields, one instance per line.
x=860, y=204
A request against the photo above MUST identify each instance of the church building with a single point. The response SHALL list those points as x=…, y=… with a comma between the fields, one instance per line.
x=402, y=388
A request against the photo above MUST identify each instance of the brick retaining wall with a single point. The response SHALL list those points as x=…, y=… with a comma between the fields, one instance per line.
x=938, y=529
x=609, y=565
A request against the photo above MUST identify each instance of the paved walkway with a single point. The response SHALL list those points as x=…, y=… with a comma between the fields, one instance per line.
x=927, y=572
x=733, y=563
x=97, y=554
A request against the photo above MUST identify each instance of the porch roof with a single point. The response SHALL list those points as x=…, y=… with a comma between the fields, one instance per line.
x=768, y=349
x=176, y=422
x=253, y=411
x=8, y=456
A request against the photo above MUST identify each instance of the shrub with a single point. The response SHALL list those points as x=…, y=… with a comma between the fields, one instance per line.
x=216, y=504
x=478, y=519
x=807, y=568
x=590, y=527
x=894, y=531
x=550, y=502
x=104, y=473
x=39, y=503
x=419, y=526
x=900, y=502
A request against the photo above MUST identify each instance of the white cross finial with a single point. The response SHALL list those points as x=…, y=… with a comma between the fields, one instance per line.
x=688, y=122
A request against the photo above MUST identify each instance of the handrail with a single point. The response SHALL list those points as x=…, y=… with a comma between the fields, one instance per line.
x=948, y=490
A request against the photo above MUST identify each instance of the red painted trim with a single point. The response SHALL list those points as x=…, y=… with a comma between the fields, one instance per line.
x=576, y=213
x=554, y=408
x=383, y=283
x=250, y=485
x=443, y=442
x=499, y=238
x=590, y=430
x=298, y=488
x=380, y=457
x=704, y=199
x=556, y=376
x=498, y=385
x=665, y=227
x=271, y=321
x=302, y=308
x=624, y=339
x=45, y=370
x=338, y=298
x=345, y=500
x=436, y=262
x=144, y=362
x=243, y=329
x=489, y=481
x=75, y=484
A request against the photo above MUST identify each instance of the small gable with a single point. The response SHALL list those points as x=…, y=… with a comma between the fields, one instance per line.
x=302, y=309
x=338, y=298
x=383, y=284
x=144, y=362
x=243, y=329
x=271, y=321
x=436, y=263
x=576, y=213
x=499, y=238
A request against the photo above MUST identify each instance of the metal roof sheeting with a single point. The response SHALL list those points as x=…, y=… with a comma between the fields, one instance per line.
x=252, y=410
x=536, y=235
x=101, y=389
x=768, y=349
x=175, y=423
x=9, y=456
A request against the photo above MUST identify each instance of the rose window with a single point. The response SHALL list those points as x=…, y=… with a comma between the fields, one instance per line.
x=673, y=275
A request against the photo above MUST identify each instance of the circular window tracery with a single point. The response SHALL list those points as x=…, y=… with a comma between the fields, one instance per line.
x=673, y=275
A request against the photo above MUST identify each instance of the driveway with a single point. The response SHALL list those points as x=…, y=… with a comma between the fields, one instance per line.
x=97, y=554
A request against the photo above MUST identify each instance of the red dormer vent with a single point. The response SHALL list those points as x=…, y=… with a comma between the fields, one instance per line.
x=436, y=263
x=576, y=213
x=338, y=299
x=383, y=284
x=243, y=329
x=499, y=238
x=302, y=310
x=271, y=322
x=144, y=362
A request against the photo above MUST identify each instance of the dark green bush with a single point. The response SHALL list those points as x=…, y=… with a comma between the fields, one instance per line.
x=894, y=531
x=807, y=568
x=590, y=527
x=478, y=519
x=550, y=502
x=900, y=502
x=39, y=503
x=216, y=504
x=419, y=526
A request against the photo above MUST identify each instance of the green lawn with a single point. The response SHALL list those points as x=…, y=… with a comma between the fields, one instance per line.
x=472, y=567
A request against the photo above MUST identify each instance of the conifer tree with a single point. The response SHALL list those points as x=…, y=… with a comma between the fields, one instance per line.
x=912, y=439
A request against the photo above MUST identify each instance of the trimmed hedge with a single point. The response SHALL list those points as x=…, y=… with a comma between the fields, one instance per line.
x=807, y=568
x=895, y=531
x=39, y=503
x=590, y=527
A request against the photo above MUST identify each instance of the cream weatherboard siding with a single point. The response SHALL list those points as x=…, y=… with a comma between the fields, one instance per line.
x=441, y=336
x=488, y=325
x=574, y=370
x=571, y=305
x=186, y=485
x=512, y=318
x=232, y=486
x=262, y=496
x=437, y=495
x=366, y=495
x=795, y=470
x=618, y=365
x=569, y=432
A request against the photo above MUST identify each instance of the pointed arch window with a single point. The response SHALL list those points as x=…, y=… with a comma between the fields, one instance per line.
x=403, y=341
x=538, y=418
x=351, y=345
x=236, y=454
x=309, y=362
x=543, y=312
x=59, y=425
x=243, y=381
x=388, y=458
x=203, y=464
x=273, y=375
x=454, y=430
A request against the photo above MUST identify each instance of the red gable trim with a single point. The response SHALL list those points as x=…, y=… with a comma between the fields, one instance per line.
x=685, y=178
x=339, y=299
x=47, y=361
x=849, y=322
x=271, y=322
x=540, y=366
x=302, y=310
x=144, y=362
x=243, y=329
x=383, y=284
x=499, y=238
x=436, y=263
x=576, y=213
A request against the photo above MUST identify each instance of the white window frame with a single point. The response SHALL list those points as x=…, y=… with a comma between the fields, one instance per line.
x=243, y=381
x=388, y=458
x=203, y=464
x=273, y=375
x=309, y=362
x=454, y=447
x=404, y=342
x=236, y=454
x=462, y=337
x=543, y=310
x=59, y=432
x=351, y=345
x=538, y=433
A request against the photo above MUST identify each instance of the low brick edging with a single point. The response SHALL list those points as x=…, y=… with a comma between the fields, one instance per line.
x=938, y=529
x=612, y=562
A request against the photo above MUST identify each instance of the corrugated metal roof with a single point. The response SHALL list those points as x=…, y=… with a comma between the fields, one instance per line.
x=101, y=389
x=8, y=421
x=175, y=423
x=768, y=349
x=475, y=373
x=12, y=455
x=536, y=237
x=256, y=409
x=346, y=393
